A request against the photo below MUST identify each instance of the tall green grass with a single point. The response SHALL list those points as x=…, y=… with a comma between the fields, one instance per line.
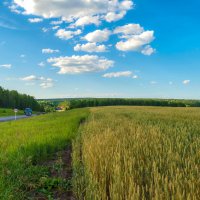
x=4, y=112
x=138, y=153
x=26, y=142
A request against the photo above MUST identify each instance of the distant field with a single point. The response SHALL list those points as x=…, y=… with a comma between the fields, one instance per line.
x=9, y=112
x=135, y=153
x=24, y=143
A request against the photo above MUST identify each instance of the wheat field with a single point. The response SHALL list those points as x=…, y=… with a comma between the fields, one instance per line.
x=138, y=153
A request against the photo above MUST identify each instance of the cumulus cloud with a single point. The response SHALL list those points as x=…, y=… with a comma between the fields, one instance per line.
x=118, y=74
x=45, y=29
x=35, y=20
x=55, y=27
x=135, y=77
x=136, y=42
x=73, y=10
x=44, y=82
x=134, y=38
x=98, y=36
x=112, y=16
x=30, y=78
x=186, y=82
x=86, y=20
x=124, y=6
x=7, y=66
x=90, y=47
x=47, y=84
x=66, y=35
x=148, y=50
x=15, y=9
x=41, y=64
x=128, y=30
x=56, y=22
x=80, y=64
x=49, y=51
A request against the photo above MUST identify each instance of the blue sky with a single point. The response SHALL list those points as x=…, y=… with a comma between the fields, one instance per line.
x=118, y=48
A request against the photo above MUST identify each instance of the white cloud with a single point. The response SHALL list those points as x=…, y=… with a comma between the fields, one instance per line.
x=66, y=35
x=98, y=36
x=7, y=66
x=49, y=51
x=126, y=5
x=148, y=50
x=41, y=64
x=80, y=64
x=56, y=22
x=44, y=82
x=128, y=30
x=30, y=78
x=86, y=20
x=90, y=47
x=55, y=27
x=135, y=38
x=45, y=29
x=35, y=20
x=112, y=16
x=118, y=74
x=186, y=82
x=15, y=9
x=136, y=42
x=47, y=84
x=72, y=10
x=135, y=77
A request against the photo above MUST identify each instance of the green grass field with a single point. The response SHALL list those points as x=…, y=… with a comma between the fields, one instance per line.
x=24, y=143
x=138, y=153
x=9, y=112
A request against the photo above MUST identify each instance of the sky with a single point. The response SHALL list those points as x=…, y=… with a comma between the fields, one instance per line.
x=101, y=48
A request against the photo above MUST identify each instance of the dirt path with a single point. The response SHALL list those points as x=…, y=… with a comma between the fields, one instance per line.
x=57, y=186
x=65, y=159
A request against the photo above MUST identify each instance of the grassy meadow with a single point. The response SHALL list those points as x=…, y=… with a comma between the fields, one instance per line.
x=138, y=153
x=24, y=143
x=4, y=112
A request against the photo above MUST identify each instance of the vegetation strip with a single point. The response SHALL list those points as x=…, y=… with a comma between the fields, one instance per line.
x=50, y=105
x=24, y=144
x=9, y=112
x=13, y=99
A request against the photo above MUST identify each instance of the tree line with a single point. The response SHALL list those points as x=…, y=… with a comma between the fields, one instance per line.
x=13, y=99
x=79, y=103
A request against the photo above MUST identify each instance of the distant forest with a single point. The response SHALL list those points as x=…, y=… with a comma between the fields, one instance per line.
x=79, y=103
x=13, y=99
x=51, y=104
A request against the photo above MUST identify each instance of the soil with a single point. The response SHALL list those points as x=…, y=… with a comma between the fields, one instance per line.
x=60, y=168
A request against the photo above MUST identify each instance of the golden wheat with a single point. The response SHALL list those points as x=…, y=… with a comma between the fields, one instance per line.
x=134, y=153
